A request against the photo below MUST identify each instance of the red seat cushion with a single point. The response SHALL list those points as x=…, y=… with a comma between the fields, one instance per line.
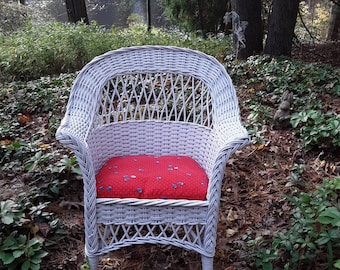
x=152, y=177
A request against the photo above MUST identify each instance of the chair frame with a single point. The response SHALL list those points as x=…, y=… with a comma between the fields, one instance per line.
x=118, y=105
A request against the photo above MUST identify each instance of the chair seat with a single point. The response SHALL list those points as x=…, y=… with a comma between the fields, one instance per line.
x=152, y=177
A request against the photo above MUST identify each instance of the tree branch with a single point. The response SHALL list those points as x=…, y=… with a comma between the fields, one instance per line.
x=305, y=26
x=335, y=2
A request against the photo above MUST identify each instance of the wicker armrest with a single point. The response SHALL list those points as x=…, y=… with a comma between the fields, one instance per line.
x=228, y=136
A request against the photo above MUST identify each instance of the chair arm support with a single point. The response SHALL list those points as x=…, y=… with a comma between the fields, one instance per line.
x=225, y=141
x=226, y=136
x=71, y=139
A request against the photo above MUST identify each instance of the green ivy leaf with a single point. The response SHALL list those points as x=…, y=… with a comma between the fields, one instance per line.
x=267, y=266
x=337, y=183
x=22, y=239
x=18, y=253
x=311, y=245
x=33, y=242
x=334, y=234
x=323, y=240
x=76, y=170
x=8, y=243
x=7, y=258
x=7, y=219
x=331, y=215
x=25, y=265
x=35, y=266
x=337, y=264
x=7, y=216
x=38, y=256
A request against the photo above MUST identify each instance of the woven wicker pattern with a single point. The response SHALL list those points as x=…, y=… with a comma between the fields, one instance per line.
x=152, y=100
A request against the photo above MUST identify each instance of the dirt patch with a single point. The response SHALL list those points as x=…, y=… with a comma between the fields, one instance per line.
x=325, y=53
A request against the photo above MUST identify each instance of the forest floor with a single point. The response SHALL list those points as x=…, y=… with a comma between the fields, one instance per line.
x=252, y=203
x=325, y=53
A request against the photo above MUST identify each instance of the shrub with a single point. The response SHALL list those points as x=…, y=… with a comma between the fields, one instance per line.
x=317, y=129
x=262, y=80
x=17, y=250
x=314, y=231
x=54, y=48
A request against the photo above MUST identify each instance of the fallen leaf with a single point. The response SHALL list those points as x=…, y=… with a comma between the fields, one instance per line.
x=5, y=142
x=332, y=168
x=68, y=205
x=231, y=161
x=44, y=146
x=231, y=232
x=44, y=228
x=261, y=86
x=34, y=229
x=251, y=90
x=261, y=146
x=274, y=149
x=23, y=119
x=329, y=86
x=111, y=262
x=232, y=216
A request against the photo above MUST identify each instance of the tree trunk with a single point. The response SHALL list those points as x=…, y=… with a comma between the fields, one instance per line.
x=250, y=12
x=334, y=23
x=200, y=16
x=148, y=14
x=281, y=27
x=76, y=11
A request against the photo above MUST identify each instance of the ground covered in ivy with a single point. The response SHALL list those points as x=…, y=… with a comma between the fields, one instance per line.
x=253, y=206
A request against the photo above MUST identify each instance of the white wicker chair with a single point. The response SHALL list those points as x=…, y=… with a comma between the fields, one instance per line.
x=177, y=102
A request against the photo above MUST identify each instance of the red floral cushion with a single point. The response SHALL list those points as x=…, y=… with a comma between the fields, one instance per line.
x=152, y=177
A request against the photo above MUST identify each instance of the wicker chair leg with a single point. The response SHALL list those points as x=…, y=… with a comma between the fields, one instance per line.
x=207, y=263
x=93, y=262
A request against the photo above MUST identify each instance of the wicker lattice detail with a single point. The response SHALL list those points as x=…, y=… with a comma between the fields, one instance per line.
x=159, y=96
x=112, y=237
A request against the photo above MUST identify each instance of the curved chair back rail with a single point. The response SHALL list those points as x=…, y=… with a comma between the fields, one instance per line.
x=154, y=100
